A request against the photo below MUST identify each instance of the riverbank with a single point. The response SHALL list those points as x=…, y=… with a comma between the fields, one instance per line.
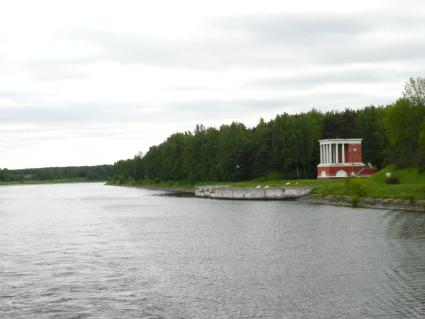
x=367, y=202
x=164, y=186
x=372, y=192
x=334, y=200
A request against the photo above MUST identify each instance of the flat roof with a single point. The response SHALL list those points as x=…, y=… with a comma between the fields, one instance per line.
x=341, y=140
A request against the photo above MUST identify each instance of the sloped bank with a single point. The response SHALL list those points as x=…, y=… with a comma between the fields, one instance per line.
x=368, y=202
x=271, y=193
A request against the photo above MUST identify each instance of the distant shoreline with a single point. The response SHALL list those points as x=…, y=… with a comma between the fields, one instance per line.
x=158, y=188
x=54, y=181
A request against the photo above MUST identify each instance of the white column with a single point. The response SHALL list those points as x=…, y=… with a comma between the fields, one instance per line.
x=343, y=152
x=330, y=153
x=326, y=152
x=336, y=153
x=325, y=158
x=320, y=151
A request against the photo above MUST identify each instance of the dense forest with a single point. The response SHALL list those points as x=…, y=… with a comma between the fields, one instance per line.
x=287, y=146
x=89, y=173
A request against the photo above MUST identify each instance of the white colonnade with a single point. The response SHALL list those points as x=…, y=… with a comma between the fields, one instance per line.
x=332, y=153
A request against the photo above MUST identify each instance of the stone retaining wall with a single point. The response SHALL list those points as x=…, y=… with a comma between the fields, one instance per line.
x=276, y=193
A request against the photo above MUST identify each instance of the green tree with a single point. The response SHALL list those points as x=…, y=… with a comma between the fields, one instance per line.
x=403, y=123
x=414, y=91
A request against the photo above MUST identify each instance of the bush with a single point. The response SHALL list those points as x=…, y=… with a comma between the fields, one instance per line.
x=356, y=187
x=131, y=181
x=355, y=199
x=392, y=180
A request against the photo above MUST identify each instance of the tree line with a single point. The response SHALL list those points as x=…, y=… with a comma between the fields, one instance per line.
x=286, y=146
x=90, y=173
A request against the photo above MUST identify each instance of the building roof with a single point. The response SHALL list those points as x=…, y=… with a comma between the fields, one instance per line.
x=342, y=140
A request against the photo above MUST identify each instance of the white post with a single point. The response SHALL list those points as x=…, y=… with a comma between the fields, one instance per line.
x=330, y=152
x=336, y=153
x=320, y=151
x=343, y=153
x=327, y=153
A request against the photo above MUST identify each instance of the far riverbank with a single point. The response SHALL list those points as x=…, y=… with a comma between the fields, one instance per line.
x=51, y=181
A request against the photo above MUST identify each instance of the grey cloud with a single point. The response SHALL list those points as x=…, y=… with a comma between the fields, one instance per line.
x=86, y=114
x=270, y=41
x=335, y=39
x=336, y=76
x=294, y=28
x=77, y=113
x=20, y=96
x=11, y=94
x=305, y=27
x=60, y=69
x=137, y=49
x=83, y=115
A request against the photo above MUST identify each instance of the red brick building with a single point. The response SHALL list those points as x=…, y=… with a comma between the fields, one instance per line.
x=342, y=157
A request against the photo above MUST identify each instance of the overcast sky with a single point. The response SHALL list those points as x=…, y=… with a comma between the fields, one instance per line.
x=92, y=82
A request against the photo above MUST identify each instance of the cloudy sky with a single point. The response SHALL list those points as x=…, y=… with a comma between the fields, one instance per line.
x=92, y=82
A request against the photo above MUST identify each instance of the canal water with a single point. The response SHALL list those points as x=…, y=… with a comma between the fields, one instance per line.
x=95, y=251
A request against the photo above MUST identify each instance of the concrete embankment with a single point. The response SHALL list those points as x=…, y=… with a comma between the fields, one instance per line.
x=271, y=193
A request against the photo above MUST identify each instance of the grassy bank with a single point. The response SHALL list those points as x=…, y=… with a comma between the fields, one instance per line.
x=411, y=185
x=51, y=181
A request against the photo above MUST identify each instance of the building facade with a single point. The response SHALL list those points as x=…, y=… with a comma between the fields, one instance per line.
x=342, y=157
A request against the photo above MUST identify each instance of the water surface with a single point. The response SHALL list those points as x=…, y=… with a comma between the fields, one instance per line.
x=95, y=251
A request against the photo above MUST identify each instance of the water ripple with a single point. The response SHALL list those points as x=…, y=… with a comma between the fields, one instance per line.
x=92, y=251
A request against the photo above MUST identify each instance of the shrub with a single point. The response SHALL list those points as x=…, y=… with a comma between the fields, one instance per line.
x=355, y=199
x=356, y=187
x=392, y=180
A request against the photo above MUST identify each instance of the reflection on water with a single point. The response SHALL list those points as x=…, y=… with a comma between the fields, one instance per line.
x=94, y=251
